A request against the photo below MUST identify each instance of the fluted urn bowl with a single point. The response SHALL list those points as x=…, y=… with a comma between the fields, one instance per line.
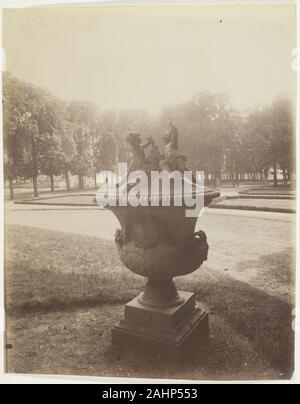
x=160, y=243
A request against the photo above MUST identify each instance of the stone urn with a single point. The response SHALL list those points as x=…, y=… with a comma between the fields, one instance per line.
x=161, y=243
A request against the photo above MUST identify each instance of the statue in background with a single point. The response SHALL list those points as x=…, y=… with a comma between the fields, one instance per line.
x=171, y=159
x=137, y=158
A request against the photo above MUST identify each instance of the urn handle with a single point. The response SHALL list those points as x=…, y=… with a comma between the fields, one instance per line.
x=200, y=240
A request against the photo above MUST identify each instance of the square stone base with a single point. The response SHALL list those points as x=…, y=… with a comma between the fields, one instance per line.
x=174, y=333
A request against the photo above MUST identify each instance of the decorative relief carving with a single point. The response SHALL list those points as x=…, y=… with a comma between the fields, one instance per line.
x=156, y=242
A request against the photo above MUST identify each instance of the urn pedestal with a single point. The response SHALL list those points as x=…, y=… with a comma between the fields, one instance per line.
x=173, y=333
x=160, y=243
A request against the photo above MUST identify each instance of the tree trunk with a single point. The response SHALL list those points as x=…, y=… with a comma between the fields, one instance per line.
x=96, y=181
x=218, y=180
x=285, y=178
x=52, y=182
x=275, y=176
x=233, y=180
x=67, y=180
x=35, y=186
x=11, y=188
x=81, y=183
x=35, y=169
x=266, y=177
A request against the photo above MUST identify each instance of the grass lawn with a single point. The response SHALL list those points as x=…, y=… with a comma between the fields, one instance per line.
x=264, y=204
x=270, y=191
x=65, y=200
x=65, y=292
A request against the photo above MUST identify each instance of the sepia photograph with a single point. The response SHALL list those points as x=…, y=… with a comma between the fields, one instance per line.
x=150, y=171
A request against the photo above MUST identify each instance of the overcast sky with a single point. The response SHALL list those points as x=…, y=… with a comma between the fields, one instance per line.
x=147, y=58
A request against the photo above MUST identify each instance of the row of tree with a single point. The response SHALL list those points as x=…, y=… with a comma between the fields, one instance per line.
x=225, y=143
x=46, y=136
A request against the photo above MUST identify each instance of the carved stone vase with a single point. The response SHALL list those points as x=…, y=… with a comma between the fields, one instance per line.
x=160, y=244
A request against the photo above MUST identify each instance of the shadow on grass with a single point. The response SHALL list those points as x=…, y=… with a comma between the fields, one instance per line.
x=264, y=319
x=36, y=282
x=275, y=271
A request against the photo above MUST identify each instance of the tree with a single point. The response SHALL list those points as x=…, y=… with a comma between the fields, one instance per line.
x=42, y=128
x=205, y=125
x=84, y=118
x=51, y=158
x=68, y=150
x=234, y=156
x=51, y=126
x=43, y=135
x=106, y=153
x=32, y=134
x=270, y=137
x=258, y=141
x=31, y=124
x=15, y=157
x=81, y=164
x=283, y=138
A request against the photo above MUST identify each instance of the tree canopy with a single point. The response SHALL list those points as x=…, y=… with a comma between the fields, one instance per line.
x=44, y=135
